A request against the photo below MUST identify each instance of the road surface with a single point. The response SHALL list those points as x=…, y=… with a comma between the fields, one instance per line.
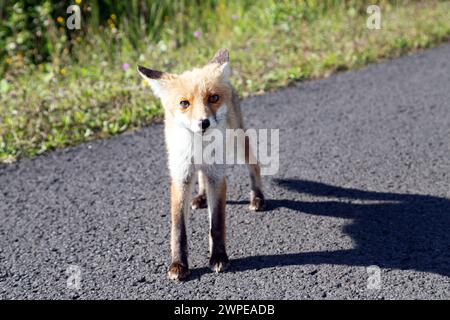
x=364, y=180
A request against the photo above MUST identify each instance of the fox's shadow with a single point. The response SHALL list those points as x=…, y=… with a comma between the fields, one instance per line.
x=400, y=231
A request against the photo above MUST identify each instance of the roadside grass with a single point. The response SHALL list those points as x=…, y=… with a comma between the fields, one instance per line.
x=95, y=92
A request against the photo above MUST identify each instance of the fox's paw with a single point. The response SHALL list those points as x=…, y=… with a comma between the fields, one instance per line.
x=219, y=262
x=177, y=271
x=199, y=202
x=257, y=202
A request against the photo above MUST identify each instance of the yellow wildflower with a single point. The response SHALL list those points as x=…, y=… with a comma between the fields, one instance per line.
x=62, y=71
x=78, y=1
x=60, y=19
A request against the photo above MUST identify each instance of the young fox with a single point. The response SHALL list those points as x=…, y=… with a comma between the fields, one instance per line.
x=196, y=102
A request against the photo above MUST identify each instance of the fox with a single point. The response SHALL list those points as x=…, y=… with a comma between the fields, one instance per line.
x=195, y=102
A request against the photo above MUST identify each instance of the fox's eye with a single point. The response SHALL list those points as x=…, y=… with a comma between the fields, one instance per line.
x=184, y=103
x=213, y=98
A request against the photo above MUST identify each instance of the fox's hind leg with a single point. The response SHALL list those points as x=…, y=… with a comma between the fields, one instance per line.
x=257, y=201
x=199, y=201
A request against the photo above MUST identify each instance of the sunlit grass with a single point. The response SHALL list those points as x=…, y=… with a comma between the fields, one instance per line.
x=94, y=91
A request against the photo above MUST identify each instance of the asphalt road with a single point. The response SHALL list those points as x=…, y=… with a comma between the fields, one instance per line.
x=364, y=180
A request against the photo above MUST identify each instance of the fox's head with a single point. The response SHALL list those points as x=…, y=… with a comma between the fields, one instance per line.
x=196, y=99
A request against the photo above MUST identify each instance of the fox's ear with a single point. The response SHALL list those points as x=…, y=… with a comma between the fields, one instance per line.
x=222, y=58
x=154, y=78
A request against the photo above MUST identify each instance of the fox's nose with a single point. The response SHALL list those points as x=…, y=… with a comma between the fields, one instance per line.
x=204, y=124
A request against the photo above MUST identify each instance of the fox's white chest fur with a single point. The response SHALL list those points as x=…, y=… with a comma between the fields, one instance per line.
x=181, y=155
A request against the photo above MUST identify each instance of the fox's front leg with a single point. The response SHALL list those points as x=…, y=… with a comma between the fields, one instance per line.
x=216, y=189
x=180, y=197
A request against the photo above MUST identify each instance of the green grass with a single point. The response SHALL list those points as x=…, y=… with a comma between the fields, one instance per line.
x=86, y=94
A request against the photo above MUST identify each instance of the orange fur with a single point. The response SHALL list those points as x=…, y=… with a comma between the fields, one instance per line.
x=187, y=103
